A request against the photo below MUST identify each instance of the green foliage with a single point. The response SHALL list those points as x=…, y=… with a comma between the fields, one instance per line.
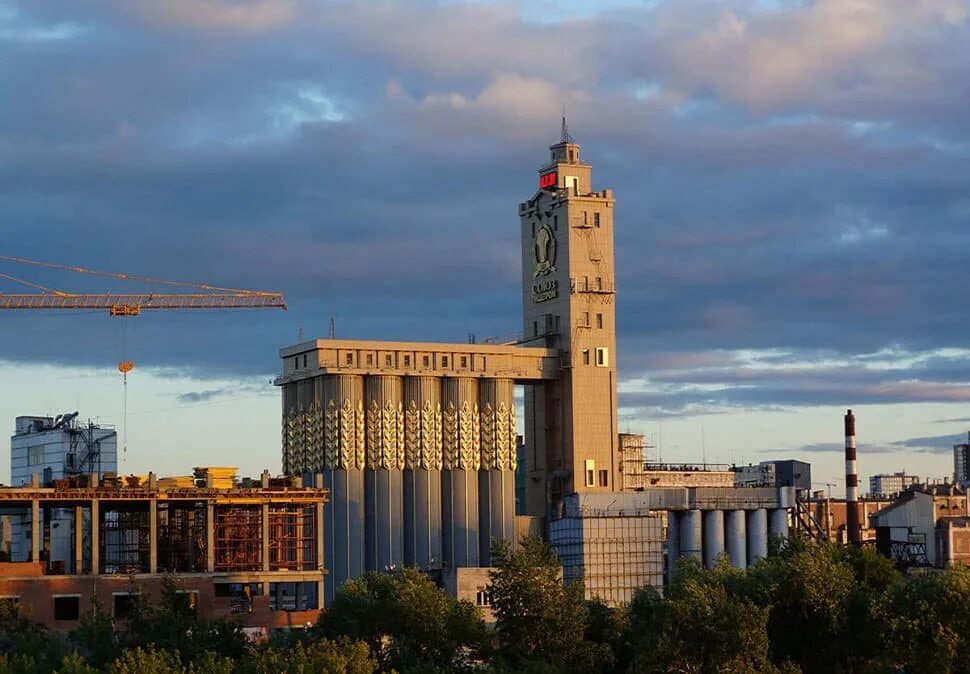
x=150, y=661
x=336, y=657
x=931, y=626
x=538, y=619
x=701, y=626
x=810, y=607
x=95, y=637
x=25, y=646
x=409, y=621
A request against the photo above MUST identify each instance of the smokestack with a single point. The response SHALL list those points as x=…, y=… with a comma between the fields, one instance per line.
x=851, y=483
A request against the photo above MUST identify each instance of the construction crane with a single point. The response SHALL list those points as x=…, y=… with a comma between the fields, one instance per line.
x=132, y=304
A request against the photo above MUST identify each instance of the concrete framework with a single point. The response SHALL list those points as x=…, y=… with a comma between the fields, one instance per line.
x=266, y=537
x=416, y=442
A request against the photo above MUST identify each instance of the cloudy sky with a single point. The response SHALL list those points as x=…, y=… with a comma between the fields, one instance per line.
x=792, y=206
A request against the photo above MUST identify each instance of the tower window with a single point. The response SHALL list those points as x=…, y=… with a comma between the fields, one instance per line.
x=602, y=357
x=426, y=361
x=585, y=319
x=599, y=283
x=407, y=361
x=464, y=362
x=370, y=359
x=535, y=328
x=604, y=478
x=590, y=473
x=555, y=222
x=599, y=321
x=444, y=361
x=350, y=359
x=389, y=360
x=596, y=219
x=585, y=356
x=304, y=360
x=296, y=362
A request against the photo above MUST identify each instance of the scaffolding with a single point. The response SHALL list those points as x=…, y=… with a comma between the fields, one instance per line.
x=292, y=540
x=125, y=538
x=182, y=544
x=238, y=538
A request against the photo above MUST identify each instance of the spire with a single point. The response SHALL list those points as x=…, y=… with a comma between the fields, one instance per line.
x=564, y=136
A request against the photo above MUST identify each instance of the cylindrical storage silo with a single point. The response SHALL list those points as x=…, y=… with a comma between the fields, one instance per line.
x=461, y=457
x=778, y=523
x=734, y=528
x=342, y=400
x=383, y=477
x=757, y=530
x=713, y=537
x=690, y=534
x=673, y=543
x=422, y=472
x=496, y=479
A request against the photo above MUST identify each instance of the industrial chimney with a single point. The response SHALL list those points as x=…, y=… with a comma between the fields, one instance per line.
x=851, y=483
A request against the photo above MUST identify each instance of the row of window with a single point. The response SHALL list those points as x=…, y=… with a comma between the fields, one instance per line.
x=294, y=596
x=371, y=360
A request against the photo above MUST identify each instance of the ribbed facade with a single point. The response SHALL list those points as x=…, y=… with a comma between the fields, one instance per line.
x=421, y=469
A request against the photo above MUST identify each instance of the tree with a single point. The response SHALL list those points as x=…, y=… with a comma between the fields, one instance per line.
x=95, y=637
x=931, y=622
x=539, y=620
x=406, y=619
x=335, y=657
x=26, y=645
x=700, y=626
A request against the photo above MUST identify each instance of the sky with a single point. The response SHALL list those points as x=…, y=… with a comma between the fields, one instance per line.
x=791, y=221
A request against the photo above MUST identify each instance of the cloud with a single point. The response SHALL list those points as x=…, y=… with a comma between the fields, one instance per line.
x=202, y=396
x=937, y=443
x=791, y=201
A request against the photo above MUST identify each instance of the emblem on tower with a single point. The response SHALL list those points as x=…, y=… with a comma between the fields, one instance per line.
x=545, y=250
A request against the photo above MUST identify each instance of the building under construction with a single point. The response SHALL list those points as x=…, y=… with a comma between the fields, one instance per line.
x=249, y=549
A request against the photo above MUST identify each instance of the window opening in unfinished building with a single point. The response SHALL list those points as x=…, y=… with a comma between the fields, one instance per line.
x=293, y=596
x=238, y=538
x=292, y=543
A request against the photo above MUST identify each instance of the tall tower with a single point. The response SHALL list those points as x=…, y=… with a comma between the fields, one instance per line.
x=568, y=304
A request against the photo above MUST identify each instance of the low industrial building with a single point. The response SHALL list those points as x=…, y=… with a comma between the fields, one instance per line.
x=617, y=542
x=925, y=526
x=250, y=549
x=831, y=516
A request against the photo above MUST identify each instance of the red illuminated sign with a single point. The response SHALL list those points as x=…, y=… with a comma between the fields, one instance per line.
x=547, y=180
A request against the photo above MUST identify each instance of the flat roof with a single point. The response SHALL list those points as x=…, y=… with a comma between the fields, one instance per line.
x=428, y=359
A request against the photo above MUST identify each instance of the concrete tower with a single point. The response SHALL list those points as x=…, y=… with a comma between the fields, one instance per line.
x=568, y=305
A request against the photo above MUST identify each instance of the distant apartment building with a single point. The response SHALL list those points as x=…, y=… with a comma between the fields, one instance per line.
x=891, y=484
x=961, y=464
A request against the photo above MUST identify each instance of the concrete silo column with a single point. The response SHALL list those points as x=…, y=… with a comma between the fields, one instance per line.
x=713, y=537
x=734, y=526
x=673, y=543
x=461, y=459
x=383, y=479
x=690, y=534
x=778, y=523
x=757, y=526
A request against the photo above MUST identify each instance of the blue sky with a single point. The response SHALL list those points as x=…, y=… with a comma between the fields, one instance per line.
x=792, y=205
